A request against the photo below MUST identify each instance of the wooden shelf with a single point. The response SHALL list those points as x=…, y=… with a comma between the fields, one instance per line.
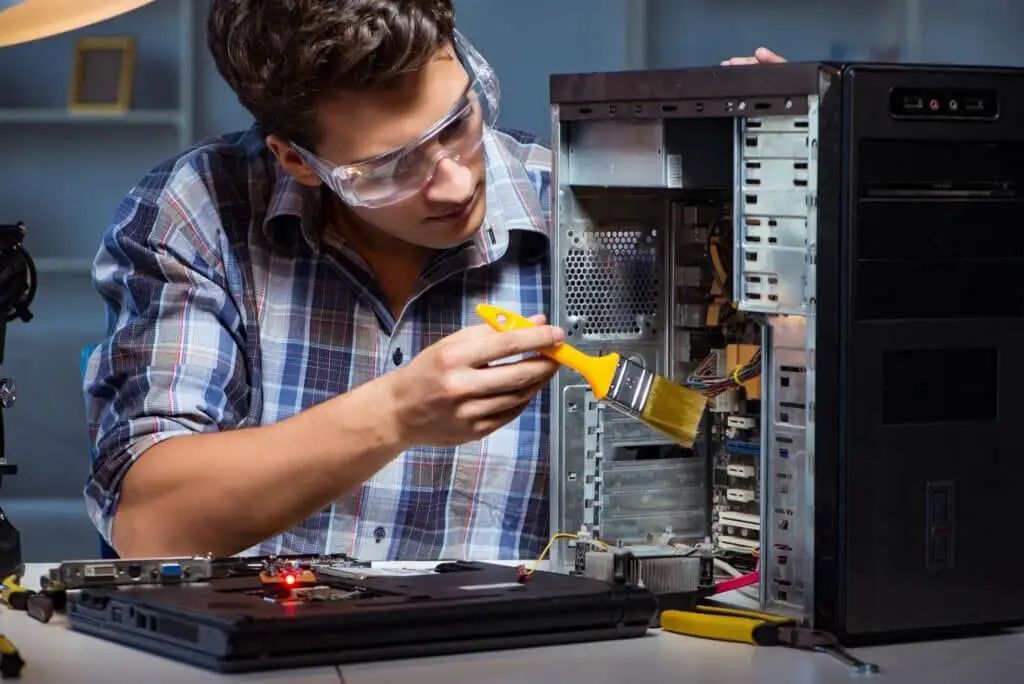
x=141, y=117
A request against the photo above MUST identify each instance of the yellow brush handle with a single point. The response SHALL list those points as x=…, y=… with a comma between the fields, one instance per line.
x=711, y=626
x=598, y=371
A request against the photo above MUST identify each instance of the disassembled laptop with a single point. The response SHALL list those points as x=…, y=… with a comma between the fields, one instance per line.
x=298, y=571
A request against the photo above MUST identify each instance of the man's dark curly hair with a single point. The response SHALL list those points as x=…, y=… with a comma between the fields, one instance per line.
x=284, y=57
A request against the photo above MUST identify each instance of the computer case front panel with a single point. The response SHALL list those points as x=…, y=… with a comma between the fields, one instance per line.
x=931, y=283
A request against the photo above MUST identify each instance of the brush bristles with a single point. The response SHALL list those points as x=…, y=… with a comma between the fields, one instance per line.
x=674, y=410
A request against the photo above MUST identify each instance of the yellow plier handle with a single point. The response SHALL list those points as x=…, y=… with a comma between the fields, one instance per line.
x=725, y=624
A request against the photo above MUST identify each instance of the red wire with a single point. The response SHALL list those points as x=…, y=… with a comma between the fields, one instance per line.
x=735, y=583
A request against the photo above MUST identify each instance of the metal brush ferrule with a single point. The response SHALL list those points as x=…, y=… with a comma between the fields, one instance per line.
x=631, y=387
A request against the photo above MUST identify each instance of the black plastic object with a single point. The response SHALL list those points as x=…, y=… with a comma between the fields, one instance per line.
x=11, y=662
x=40, y=607
x=18, y=283
x=11, y=562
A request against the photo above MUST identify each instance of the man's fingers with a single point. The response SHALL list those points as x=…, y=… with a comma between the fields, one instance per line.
x=491, y=412
x=762, y=55
x=737, y=61
x=502, y=345
x=508, y=378
x=487, y=407
x=766, y=56
x=486, y=426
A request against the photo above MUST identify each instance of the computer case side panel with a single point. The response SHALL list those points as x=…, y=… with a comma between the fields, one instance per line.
x=828, y=404
x=932, y=306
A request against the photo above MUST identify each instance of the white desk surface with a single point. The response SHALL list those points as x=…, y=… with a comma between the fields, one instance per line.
x=54, y=654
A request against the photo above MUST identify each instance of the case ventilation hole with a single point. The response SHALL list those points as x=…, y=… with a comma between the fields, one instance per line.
x=611, y=283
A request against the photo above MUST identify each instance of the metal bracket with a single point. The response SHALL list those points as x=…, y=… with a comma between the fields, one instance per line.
x=776, y=212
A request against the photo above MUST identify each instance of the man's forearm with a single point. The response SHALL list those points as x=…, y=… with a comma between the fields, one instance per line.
x=221, y=493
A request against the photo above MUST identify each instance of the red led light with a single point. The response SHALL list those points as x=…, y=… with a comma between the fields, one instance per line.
x=289, y=579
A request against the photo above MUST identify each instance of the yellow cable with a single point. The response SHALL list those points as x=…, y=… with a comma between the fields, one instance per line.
x=721, y=276
x=551, y=542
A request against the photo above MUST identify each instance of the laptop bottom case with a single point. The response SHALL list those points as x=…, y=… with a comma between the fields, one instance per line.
x=313, y=658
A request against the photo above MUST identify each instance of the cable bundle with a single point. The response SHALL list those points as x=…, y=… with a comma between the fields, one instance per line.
x=706, y=380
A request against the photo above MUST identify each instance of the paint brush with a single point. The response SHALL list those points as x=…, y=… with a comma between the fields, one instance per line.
x=672, y=409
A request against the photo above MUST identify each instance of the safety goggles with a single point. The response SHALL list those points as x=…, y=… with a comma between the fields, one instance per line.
x=397, y=175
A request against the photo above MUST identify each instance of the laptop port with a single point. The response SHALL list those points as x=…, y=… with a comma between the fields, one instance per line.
x=974, y=104
x=171, y=572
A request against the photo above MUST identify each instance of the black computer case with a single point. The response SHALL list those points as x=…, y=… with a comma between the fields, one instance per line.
x=920, y=323
x=911, y=289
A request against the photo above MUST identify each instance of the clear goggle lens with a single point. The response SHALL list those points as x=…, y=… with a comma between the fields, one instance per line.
x=402, y=173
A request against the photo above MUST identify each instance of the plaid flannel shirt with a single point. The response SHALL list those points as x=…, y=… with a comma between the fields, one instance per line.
x=228, y=307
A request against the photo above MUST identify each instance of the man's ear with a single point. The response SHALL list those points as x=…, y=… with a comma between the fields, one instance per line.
x=292, y=161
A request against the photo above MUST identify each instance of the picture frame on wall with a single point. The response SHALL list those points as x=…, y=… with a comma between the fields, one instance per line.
x=103, y=75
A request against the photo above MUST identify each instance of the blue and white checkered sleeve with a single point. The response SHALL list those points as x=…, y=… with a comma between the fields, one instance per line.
x=171, y=363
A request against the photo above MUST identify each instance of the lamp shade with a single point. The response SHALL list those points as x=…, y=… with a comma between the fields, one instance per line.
x=28, y=20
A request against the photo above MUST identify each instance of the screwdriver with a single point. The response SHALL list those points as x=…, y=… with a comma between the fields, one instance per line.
x=39, y=605
x=13, y=594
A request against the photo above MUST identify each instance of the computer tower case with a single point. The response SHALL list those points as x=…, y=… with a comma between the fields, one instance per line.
x=832, y=252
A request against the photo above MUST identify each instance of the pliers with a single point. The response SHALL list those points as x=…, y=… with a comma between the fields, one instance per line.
x=758, y=629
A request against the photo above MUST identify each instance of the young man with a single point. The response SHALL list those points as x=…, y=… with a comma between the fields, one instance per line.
x=293, y=361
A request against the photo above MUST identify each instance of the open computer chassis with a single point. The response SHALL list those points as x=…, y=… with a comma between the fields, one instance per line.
x=684, y=238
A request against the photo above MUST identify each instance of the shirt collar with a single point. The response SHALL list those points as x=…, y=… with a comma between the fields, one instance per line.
x=291, y=203
x=513, y=203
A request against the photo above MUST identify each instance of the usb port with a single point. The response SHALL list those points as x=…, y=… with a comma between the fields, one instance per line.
x=913, y=102
x=974, y=104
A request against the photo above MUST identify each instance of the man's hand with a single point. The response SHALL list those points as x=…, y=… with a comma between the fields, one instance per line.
x=449, y=394
x=761, y=56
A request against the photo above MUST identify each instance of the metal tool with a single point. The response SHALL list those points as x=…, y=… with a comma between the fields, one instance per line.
x=759, y=629
x=822, y=642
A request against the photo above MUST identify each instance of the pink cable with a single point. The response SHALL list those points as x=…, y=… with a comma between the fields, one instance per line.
x=738, y=582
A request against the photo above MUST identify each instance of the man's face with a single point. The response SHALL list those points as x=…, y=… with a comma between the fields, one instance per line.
x=450, y=207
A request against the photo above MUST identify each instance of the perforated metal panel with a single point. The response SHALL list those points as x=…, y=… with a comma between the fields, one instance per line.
x=612, y=282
